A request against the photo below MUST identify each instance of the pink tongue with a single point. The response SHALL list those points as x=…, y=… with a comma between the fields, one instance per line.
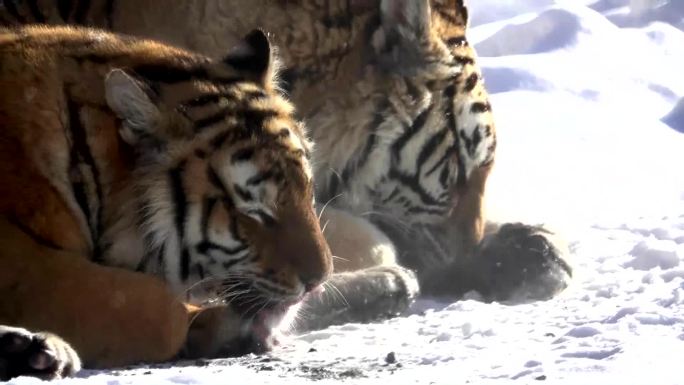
x=320, y=289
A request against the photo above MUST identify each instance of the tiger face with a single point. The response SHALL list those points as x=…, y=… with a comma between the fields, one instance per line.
x=427, y=134
x=223, y=181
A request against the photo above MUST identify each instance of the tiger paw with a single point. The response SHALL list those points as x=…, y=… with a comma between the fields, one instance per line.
x=397, y=288
x=40, y=355
x=361, y=296
x=522, y=263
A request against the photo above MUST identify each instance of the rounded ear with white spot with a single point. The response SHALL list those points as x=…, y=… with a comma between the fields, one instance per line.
x=127, y=98
x=404, y=34
x=253, y=57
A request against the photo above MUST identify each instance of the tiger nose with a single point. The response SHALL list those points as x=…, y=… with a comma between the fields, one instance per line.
x=313, y=280
x=311, y=285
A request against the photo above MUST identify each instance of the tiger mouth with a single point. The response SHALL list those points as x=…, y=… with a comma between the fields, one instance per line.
x=261, y=317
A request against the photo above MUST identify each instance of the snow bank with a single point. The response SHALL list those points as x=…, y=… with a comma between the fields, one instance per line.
x=675, y=118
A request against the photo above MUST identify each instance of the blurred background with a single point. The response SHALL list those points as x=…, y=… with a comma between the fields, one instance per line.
x=589, y=101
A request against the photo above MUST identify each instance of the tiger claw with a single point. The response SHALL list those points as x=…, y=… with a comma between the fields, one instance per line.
x=40, y=355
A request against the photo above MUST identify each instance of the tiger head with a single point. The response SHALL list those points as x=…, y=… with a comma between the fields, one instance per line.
x=423, y=131
x=223, y=187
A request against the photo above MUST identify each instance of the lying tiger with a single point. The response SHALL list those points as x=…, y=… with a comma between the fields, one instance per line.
x=132, y=173
x=404, y=132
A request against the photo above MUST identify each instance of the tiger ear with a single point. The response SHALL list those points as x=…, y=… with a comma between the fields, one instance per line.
x=127, y=98
x=409, y=18
x=462, y=12
x=405, y=27
x=253, y=57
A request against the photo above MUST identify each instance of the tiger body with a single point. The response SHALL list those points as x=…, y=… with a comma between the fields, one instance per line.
x=134, y=171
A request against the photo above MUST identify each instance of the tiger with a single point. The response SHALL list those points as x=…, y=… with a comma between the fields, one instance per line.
x=152, y=199
x=405, y=137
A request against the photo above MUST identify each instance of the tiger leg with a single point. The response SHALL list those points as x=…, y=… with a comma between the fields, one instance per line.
x=512, y=262
x=367, y=284
x=109, y=316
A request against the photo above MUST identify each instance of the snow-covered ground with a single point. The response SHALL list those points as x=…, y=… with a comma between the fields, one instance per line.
x=589, y=97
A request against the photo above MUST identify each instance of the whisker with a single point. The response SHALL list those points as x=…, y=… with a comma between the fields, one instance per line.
x=332, y=286
x=326, y=205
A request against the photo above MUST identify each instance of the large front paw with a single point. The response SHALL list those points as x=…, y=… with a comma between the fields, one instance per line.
x=41, y=355
x=522, y=263
x=367, y=295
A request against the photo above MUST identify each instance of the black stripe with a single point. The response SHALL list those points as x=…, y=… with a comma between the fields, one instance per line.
x=243, y=193
x=266, y=219
x=476, y=139
x=449, y=94
x=464, y=60
x=353, y=165
x=81, y=12
x=333, y=187
x=64, y=8
x=457, y=41
x=221, y=115
x=206, y=246
x=426, y=210
x=252, y=120
x=12, y=9
x=415, y=127
x=444, y=177
x=471, y=82
x=80, y=153
x=148, y=242
x=161, y=261
x=449, y=152
x=414, y=185
x=200, y=270
x=480, y=107
x=38, y=16
x=203, y=100
x=207, y=207
x=392, y=195
x=229, y=264
x=261, y=177
x=180, y=206
x=428, y=149
x=218, y=140
x=216, y=180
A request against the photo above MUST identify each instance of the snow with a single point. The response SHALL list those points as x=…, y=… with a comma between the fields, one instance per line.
x=588, y=97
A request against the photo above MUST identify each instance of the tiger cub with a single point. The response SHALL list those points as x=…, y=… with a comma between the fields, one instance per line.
x=405, y=135
x=134, y=172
